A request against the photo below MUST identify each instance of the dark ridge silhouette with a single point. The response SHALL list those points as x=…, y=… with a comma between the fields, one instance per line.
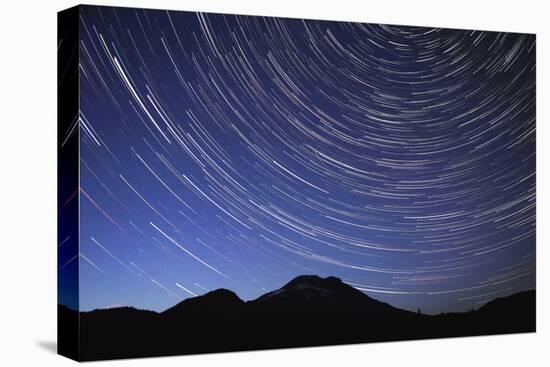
x=211, y=301
x=310, y=292
x=307, y=311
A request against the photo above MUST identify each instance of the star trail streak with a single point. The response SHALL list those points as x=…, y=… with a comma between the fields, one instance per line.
x=224, y=151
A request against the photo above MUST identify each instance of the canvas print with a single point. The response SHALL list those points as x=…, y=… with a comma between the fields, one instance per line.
x=231, y=182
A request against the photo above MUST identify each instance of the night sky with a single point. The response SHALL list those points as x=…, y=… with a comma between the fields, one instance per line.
x=223, y=151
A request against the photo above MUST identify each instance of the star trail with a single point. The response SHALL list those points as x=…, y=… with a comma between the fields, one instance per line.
x=225, y=151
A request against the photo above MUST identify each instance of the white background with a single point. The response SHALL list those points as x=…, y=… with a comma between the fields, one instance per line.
x=28, y=182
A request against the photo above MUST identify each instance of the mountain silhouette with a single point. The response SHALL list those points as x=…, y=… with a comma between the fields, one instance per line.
x=307, y=311
x=312, y=291
x=211, y=301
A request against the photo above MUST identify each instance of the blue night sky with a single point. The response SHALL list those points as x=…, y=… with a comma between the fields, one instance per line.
x=223, y=151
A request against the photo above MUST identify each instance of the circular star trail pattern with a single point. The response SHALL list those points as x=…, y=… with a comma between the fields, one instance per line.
x=239, y=152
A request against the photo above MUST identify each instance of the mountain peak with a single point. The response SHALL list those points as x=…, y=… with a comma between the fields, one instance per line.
x=217, y=299
x=313, y=291
x=314, y=281
x=221, y=293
